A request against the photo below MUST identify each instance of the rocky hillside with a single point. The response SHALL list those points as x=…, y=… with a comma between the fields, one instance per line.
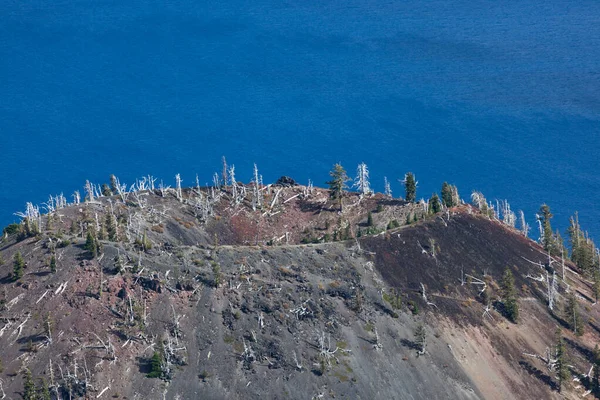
x=211, y=293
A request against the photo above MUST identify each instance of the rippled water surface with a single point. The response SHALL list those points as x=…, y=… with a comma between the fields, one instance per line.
x=503, y=97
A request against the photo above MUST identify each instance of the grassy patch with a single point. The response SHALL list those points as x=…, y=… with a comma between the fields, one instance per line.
x=342, y=345
x=341, y=377
x=228, y=339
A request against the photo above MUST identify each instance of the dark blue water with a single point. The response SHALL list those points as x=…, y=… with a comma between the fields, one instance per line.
x=503, y=97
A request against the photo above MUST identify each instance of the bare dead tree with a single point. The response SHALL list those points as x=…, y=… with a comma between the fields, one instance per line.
x=377, y=345
x=19, y=329
x=487, y=312
x=298, y=364
x=455, y=195
x=121, y=189
x=508, y=216
x=234, y=185
x=176, y=330
x=425, y=296
x=92, y=191
x=540, y=227
x=326, y=353
x=178, y=192
x=76, y=197
x=524, y=225
x=387, y=188
x=361, y=182
x=248, y=356
x=224, y=171
x=163, y=189
x=107, y=346
x=552, y=289
x=139, y=199
x=198, y=190
x=478, y=282
x=257, y=200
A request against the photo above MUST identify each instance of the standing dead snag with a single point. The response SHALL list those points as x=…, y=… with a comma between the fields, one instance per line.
x=524, y=225
x=224, y=171
x=178, y=192
x=361, y=182
x=326, y=354
x=387, y=187
x=257, y=200
x=552, y=289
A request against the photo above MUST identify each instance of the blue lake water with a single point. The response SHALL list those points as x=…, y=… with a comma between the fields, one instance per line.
x=503, y=97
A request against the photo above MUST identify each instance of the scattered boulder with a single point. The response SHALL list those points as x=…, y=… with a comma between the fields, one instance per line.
x=286, y=181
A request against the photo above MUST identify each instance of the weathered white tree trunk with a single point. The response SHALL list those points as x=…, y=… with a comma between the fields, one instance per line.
x=387, y=187
x=361, y=182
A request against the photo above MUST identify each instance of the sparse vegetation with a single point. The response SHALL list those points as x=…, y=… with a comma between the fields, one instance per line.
x=272, y=299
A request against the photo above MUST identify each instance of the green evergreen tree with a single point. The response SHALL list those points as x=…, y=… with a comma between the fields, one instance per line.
x=156, y=362
x=44, y=391
x=410, y=187
x=337, y=184
x=544, y=217
x=573, y=315
x=595, y=383
x=91, y=244
x=146, y=243
x=18, y=266
x=111, y=229
x=28, y=386
x=583, y=249
x=509, y=296
x=434, y=204
x=575, y=236
x=217, y=275
x=370, y=219
x=596, y=285
x=447, y=195
x=106, y=190
x=562, y=369
x=421, y=338
x=73, y=228
x=155, y=366
x=53, y=264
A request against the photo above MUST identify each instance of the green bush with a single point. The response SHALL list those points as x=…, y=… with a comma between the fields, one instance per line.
x=11, y=229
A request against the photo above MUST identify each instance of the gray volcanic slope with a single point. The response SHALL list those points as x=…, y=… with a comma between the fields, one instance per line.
x=236, y=306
